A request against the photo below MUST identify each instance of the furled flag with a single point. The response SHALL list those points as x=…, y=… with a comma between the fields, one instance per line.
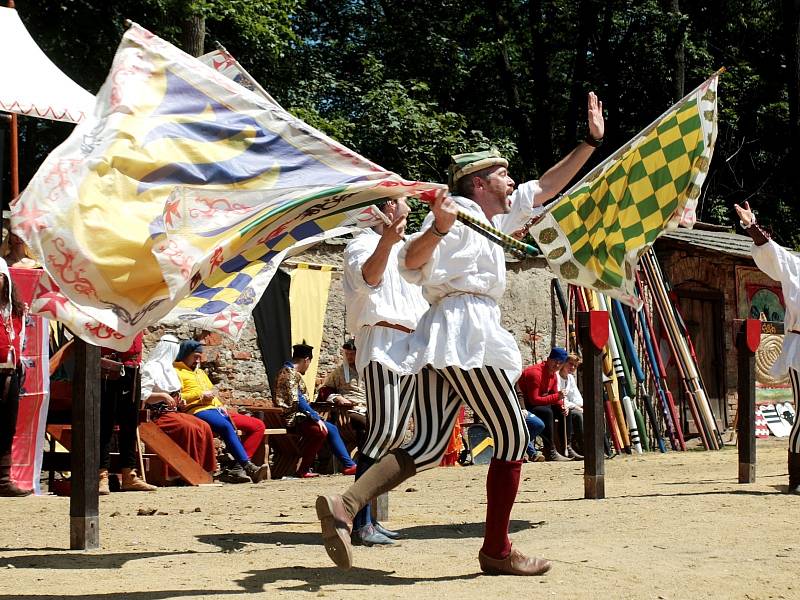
x=224, y=62
x=595, y=233
x=182, y=185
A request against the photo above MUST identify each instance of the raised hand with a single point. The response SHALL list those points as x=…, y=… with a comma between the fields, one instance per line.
x=597, y=124
x=746, y=215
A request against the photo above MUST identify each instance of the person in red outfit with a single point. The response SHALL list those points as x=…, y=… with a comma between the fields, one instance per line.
x=542, y=398
x=12, y=312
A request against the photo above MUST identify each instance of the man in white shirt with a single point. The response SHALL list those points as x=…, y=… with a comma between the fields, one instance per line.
x=460, y=349
x=573, y=405
x=382, y=309
x=783, y=266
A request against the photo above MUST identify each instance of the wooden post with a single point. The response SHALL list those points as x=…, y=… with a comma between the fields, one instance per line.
x=380, y=507
x=84, y=529
x=593, y=334
x=748, y=338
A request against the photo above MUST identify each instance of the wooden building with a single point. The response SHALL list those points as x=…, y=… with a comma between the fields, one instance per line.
x=714, y=280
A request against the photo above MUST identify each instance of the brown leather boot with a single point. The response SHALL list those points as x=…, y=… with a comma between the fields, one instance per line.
x=794, y=473
x=515, y=563
x=257, y=473
x=337, y=525
x=132, y=483
x=552, y=455
x=572, y=454
x=102, y=488
x=8, y=488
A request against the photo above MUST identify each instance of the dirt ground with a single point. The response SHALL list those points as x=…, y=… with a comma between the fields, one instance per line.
x=672, y=526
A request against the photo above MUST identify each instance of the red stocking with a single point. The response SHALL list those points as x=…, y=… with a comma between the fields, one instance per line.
x=502, y=484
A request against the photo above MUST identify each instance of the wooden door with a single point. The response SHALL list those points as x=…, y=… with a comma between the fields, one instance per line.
x=703, y=314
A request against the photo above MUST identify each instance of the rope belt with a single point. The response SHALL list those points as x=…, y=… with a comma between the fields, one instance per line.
x=393, y=326
x=462, y=293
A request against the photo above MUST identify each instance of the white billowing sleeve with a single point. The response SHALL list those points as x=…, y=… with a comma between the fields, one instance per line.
x=522, y=208
x=355, y=255
x=778, y=263
x=450, y=256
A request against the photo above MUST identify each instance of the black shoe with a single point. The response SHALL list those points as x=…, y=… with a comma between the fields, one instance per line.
x=235, y=475
x=392, y=535
x=367, y=536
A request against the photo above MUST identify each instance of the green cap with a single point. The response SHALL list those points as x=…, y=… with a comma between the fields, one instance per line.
x=470, y=162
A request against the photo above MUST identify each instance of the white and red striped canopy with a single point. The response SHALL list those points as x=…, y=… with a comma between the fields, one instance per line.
x=32, y=85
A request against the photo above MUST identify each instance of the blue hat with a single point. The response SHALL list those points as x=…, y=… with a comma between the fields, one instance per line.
x=187, y=347
x=558, y=354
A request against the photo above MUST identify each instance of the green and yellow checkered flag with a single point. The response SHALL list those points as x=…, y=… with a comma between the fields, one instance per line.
x=594, y=234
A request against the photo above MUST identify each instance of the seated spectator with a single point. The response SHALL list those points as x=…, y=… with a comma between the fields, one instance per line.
x=200, y=399
x=161, y=392
x=542, y=397
x=344, y=388
x=291, y=395
x=535, y=427
x=118, y=404
x=573, y=402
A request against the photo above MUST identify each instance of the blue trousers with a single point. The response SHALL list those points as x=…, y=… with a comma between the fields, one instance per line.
x=221, y=425
x=535, y=427
x=337, y=446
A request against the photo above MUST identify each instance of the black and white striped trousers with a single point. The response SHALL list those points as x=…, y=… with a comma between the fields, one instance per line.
x=487, y=391
x=390, y=398
x=794, y=436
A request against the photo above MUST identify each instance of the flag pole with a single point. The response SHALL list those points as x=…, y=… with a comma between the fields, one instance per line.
x=14, y=146
x=250, y=78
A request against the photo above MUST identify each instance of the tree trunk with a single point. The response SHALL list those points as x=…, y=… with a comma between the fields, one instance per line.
x=791, y=23
x=193, y=34
x=517, y=113
x=587, y=23
x=676, y=37
x=608, y=60
x=543, y=115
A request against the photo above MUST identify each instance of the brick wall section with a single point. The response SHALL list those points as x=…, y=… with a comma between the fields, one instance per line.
x=236, y=367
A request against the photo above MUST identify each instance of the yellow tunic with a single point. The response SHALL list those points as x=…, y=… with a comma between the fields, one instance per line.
x=193, y=383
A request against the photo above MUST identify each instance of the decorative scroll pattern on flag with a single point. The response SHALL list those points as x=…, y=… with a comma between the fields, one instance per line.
x=183, y=184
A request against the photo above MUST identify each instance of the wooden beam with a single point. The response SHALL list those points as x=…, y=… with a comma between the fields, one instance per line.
x=84, y=530
x=173, y=455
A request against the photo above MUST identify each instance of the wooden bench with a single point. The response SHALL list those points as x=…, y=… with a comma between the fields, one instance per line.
x=287, y=448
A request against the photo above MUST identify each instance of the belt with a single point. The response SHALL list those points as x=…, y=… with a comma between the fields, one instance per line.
x=393, y=326
x=794, y=331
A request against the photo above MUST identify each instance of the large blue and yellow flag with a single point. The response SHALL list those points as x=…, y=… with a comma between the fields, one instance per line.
x=595, y=233
x=183, y=186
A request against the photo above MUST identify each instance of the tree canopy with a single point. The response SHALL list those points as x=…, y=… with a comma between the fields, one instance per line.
x=407, y=83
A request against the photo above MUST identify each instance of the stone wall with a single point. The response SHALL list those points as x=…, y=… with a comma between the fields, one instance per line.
x=236, y=367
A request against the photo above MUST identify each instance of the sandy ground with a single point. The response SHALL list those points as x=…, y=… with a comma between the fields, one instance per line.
x=672, y=526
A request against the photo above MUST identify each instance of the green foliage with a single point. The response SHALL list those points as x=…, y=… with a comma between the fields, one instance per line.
x=407, y=83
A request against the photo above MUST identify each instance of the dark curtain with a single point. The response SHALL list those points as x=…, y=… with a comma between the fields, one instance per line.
x=274, y=325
